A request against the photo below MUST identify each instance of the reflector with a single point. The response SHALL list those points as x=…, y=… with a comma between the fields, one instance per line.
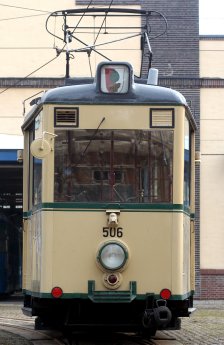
x=165, y=294
x=57, y=292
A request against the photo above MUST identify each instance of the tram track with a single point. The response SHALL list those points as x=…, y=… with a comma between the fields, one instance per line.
x=121, y=339
x=25, y=328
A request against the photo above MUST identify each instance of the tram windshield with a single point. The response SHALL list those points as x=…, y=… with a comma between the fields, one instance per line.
x=130, y=166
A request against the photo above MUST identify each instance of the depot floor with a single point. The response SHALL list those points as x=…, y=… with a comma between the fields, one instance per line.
x=205, y=326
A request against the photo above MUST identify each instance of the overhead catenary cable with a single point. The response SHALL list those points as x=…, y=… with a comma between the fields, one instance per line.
x=28, y=75
x=29, y=48
x=69, y=34
x=23, y=17
x=42, y=66
x=105, y=43
x=104, y=21
x=24, y=8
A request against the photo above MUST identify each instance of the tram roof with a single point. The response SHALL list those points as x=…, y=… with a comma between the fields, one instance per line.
x=82, y=91
x=138, y=94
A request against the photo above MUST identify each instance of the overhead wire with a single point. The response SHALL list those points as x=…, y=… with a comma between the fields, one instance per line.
x=87, y=47
x=44, y=12
x=23, y=17
x=29, y=48
x=96, y=37
x=42, y=66
x=28, y=75
x=110, y=42
x=90, y=67
x=90, y=3
x=56, y=36
x=104, y=20
x=76, y=38
x=24, y=8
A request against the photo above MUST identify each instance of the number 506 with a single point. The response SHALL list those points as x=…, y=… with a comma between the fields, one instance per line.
x=112, y=232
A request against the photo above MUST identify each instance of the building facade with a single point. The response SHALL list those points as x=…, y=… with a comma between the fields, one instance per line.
x=212, y=163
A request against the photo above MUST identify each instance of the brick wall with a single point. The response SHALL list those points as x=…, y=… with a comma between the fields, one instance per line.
x=177, y=52
x=212, y=284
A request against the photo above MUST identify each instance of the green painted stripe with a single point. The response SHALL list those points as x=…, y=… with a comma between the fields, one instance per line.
x=26, y=215
x=85, y=296
x=106, y=206
x=98, y=207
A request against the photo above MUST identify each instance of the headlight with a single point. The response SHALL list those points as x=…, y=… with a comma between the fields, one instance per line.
x=112, y=256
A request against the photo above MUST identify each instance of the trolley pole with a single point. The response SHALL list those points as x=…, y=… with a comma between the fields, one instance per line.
x=67, y=71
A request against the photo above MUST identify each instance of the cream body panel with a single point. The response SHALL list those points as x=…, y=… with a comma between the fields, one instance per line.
x=186, y=253
x=47, y=251
x=36, y=226
x=180, y=271
x=68, y=255
x=27, y=256
x=116, y=116
x=136, y=227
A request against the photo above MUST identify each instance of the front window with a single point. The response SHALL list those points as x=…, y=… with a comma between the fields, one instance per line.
x=130, y=166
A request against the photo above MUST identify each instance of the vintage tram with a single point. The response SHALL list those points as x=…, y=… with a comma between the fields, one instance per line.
x=109, y=205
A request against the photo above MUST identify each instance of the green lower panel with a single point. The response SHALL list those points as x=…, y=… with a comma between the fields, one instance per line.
x=109, y=296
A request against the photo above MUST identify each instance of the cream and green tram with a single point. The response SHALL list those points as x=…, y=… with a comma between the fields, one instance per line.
x=109, y=205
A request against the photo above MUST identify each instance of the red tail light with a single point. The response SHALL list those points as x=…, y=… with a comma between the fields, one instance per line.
x=57, y=292
x=112, y=279
x=165, y=294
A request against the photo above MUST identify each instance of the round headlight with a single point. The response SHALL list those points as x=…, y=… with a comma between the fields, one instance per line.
x=112, y=256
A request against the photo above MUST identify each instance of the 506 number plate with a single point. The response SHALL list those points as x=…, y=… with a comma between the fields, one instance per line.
x=112, y=232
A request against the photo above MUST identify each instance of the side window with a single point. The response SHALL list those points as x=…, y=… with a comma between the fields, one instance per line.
x=187, y=163
x=35, y=166
x=37, y=181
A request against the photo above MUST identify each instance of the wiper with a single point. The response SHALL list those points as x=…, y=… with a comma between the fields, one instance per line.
x=92, y=138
